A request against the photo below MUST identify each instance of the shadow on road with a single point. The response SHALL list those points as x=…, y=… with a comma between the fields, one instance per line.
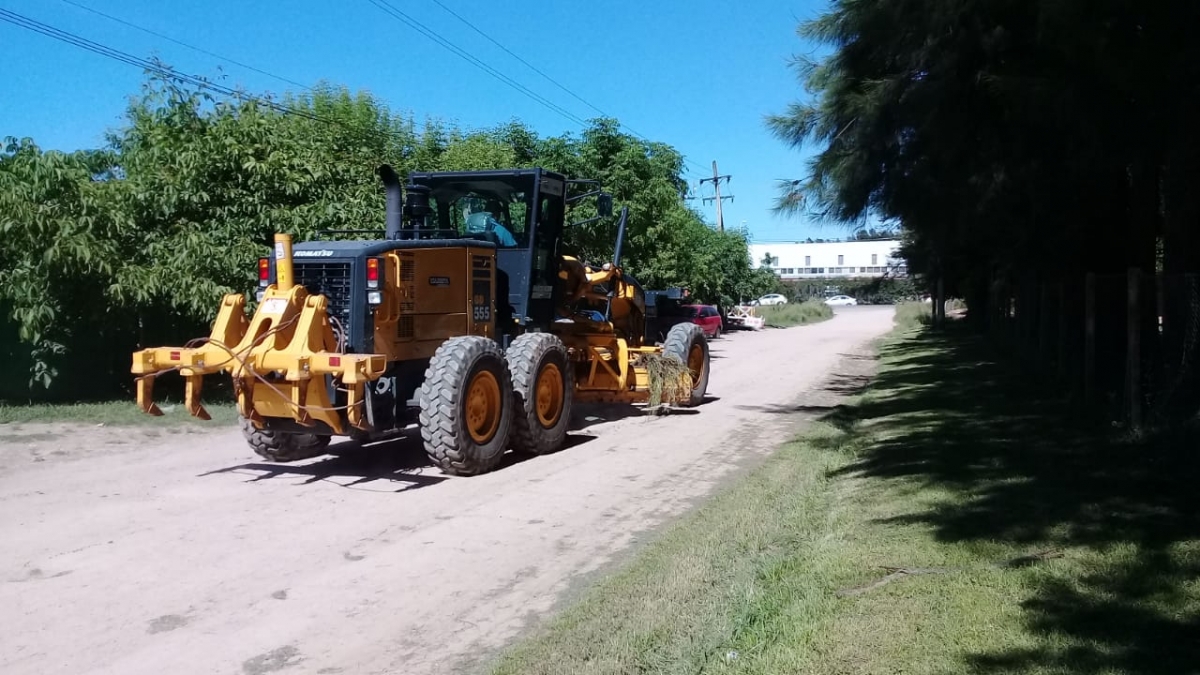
x=839, y=384
x=1023, y=468
x=396, y=460
x=402, y=459
x=588, y=415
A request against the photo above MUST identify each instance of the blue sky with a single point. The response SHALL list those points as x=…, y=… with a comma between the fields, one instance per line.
x=699, y=75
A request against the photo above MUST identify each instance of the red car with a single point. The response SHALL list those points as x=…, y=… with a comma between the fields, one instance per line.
x=705, y=316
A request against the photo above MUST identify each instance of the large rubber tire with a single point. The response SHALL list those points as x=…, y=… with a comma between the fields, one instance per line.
x=541, y=375
x=687, y=343
x=277, y=446
x=446, y=404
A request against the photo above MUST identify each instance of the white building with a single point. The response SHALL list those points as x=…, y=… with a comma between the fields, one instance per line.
x=841, y=259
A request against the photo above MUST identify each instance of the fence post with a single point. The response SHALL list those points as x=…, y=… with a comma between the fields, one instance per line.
x=1089, y=338
x=1021, y=315
x=1044, y=325
x=1029, y=326
x=993, y=308
x=1061, y=357
x=1010, y=303
x=1133, y=345
x=939, y=307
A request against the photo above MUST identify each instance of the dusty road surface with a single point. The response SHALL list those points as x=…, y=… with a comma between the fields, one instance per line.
x=126, y=553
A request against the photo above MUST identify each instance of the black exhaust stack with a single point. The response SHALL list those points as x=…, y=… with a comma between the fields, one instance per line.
x=620, y=236
x=616, y=261
x=391, y=185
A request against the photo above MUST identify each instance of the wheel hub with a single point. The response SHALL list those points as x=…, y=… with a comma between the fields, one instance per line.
x=483, y=407
x=549, y=395
x=696, y=363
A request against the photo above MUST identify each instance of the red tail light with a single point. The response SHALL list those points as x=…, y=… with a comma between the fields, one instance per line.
x=264, y=272
x=372, y=272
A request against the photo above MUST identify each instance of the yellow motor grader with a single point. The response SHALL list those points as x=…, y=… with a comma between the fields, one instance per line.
x=466, y=318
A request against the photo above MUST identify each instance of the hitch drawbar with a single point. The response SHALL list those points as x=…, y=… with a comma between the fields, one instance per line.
x=278, y=359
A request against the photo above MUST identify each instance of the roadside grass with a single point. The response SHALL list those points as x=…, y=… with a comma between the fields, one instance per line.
x=910, y=315
x=950, y=463
x=795, y=314
x=114, y=414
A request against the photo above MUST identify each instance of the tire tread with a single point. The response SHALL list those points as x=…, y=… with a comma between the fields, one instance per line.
x=678, y=344
x=443, y=431
x=524, y=356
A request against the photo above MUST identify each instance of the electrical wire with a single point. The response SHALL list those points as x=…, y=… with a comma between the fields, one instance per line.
x=172, y=74
x=528, y=64
x=118, y=55
x=392, y=11
x=194, y=48
x=537, y=70
x=165, y=71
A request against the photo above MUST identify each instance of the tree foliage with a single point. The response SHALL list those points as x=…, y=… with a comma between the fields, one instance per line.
x=139, y=239
x=1013, y=140
x=59, y=247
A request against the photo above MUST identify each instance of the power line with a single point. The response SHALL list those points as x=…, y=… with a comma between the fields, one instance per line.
x=184, y=44
x=129, y=59
x=166, y=71
x=434, y=36
x=117, y=55
x=515, y=56
x=537, y=70
x=395, y=13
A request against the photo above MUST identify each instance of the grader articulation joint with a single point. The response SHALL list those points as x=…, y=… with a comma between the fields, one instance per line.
x=466, y=317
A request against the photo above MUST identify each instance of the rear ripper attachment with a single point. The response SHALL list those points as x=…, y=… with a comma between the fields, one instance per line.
x=285, y=361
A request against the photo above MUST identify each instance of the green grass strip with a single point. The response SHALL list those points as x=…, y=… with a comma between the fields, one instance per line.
x=953, y=467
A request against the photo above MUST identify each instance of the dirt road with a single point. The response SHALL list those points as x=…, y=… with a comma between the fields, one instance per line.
x=123, y=553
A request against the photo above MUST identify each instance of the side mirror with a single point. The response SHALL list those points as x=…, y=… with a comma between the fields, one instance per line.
x=604, y=205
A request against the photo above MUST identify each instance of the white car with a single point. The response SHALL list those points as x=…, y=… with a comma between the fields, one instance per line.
x=841, y=301
x=771, y=299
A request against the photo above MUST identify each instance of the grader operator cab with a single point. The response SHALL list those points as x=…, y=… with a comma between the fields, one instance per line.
x=466, y=318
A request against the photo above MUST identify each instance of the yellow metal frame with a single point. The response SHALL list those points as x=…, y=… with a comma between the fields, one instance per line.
x=605, y=365
x=278, y=359
x=606, y=369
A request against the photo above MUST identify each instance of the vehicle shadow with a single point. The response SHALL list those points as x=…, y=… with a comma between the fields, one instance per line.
x=584, y=415
x=350, y=465
x=399, y=459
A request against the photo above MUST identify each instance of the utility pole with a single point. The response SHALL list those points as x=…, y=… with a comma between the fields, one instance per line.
x=716, y=181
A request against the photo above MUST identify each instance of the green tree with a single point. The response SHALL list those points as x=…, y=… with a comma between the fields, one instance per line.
x=1018, y=140
x=137, y=241
x=207, y=184
x=59, y=252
